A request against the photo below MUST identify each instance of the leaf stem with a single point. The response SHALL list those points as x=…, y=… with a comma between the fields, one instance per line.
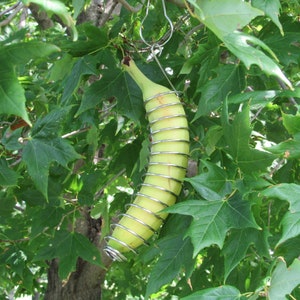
x=75, y=132
x=99, y=193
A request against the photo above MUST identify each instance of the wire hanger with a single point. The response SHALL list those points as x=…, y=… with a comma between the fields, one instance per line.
x=164, y=40
x=157, y=47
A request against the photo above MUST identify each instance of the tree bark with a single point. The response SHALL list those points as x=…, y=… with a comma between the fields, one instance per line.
x=99, y=12
x=41, y=17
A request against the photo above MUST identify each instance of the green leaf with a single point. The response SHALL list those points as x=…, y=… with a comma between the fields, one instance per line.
x=261, y=97
x=289, y=149
x=290, y=222
x=286, y=47
x=289, y=249
x=78, y=6
x=225, y=22
x=208, y=56
x=91, y=184
x=86, y=65
x=237, y=137
x=68, y=246
x=238, y=241
x=285, y=191
x=291, y=123
x=114, y=82
x=61, y=67
x=222, y=19
x=93, y=42
x=212, y=182
x=8, y=177
x=46, y=146
x=256, y=97
x=21, y=53
x=212, y=219
x=12, y=98
x=271, y=9
x=175, y=253
x=7, y=204
x=50, y=125
x=48, y=217
x=284, y=279
x=242, y=46
x=144, y=155
x=212, y=137
x=225, y=292
x=291, y=226
x=39, y=153
x=230, y=80
x=10, y=139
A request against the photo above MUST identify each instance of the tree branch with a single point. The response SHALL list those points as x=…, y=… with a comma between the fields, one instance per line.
x=15, y=9
x=40, y=16
x=131, y=8
x=283, y=86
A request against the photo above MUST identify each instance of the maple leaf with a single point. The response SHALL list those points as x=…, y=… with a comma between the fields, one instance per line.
x=213, y=219
x=237, y=136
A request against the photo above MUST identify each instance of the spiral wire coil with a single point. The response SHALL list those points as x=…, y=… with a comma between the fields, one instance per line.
x=114, y=253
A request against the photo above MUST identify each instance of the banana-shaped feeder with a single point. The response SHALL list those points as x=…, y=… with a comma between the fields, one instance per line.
x=169, y=151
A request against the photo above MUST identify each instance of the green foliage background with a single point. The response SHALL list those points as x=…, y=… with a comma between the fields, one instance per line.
x=235, y=231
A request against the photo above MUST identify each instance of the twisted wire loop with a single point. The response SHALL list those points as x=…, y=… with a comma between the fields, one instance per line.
x=156, y=47
x=114, y=253
x=163, y=40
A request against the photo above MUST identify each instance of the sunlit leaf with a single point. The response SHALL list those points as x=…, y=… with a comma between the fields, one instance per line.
x=78, y=5
x=284, y=279
x=290, y=222
x=12, y=98
x=22, y=52
x=237, y=136
x=242, y=46
x=225, y=292
x=291, y=123
x=289, y=149
x=285, y=191
x=12, y=94
x=256, y=97
x=223, y=19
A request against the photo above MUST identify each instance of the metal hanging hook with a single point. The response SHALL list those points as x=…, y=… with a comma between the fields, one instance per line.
x=157, y=46
x=162, y=41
